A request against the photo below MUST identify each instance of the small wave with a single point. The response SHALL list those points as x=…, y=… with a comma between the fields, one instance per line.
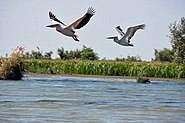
x=114, y=89
x=1, y=102
x=48, y=101
x=93, y=102
x=169, y=102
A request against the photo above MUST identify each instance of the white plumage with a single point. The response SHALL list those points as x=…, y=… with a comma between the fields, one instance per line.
x=124, y=39
x=70, y=30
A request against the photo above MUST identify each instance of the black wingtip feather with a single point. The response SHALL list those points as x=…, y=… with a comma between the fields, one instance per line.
x=90, y=12
x=118, y=27
x=53, y=17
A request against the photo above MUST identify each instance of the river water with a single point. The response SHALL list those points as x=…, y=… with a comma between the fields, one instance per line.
x=59, y=99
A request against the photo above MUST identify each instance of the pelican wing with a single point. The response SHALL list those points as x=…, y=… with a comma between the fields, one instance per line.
x=131, y=30
x=54, y=18
x=83, y=20
x=119, y=30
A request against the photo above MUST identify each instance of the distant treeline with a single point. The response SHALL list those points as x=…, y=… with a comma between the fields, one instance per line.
x=84, y=54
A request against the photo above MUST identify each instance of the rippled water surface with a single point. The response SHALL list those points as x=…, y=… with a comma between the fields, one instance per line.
x=90, y=100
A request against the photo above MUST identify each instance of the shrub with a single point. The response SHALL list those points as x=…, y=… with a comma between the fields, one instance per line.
x=10, y=68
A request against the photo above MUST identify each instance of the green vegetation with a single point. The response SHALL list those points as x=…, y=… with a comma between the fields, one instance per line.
x=69, y=54
x=177, y=37
x=10, y=68
x=111, y=68
x=84, y=54
x=37, y=54
x=88, y=54
x=129, y=59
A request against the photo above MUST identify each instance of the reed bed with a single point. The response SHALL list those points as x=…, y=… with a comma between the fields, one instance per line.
x=111, y=68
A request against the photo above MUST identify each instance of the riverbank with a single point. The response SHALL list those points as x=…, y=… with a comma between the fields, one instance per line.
x=101, y=76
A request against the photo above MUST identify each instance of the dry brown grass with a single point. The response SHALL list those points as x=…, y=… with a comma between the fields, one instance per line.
x=10, y=68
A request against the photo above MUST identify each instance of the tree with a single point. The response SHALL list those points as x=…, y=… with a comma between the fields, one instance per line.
x=164, y=55
x=47, y=55
x=88, y=54
x=61, y=53
x=177, y=36
x=133, y=59
x=36, y=54
x=77, y=54
x=27, y=55
x=84, y=54
x=67, y=54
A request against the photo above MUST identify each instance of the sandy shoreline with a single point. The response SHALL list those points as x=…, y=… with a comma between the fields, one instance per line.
x=101, y=76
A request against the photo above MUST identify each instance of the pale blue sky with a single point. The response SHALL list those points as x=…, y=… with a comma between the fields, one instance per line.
x=23, y=23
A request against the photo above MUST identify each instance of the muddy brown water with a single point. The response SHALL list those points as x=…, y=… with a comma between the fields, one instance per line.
x=59, y=99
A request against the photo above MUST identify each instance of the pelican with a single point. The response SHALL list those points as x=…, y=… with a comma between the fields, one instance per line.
x=124, y=39
x=70, y=30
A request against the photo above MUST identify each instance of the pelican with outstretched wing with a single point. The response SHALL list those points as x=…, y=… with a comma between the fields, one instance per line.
x=124, y=39
x=70, y=30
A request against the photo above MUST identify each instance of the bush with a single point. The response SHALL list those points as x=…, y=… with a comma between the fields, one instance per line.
x=10, y=68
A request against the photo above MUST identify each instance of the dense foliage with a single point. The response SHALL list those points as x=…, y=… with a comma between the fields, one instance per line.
x=88, y=54
x=84, y=54
x=164, y=55
x=65, y=54
x=112, y=68
x=177, y=37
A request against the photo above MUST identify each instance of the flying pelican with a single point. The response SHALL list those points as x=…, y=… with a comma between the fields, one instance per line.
x=124, y=39
x=70, y=30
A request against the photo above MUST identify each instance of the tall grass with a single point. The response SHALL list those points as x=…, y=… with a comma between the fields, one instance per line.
x=111, y=68
x=10, y=68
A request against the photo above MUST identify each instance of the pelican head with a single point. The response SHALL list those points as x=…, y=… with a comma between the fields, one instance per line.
x=53, y=25
x=115, y=38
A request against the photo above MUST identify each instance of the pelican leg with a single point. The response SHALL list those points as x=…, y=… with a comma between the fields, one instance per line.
x=75, y=38
x=131, y=45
